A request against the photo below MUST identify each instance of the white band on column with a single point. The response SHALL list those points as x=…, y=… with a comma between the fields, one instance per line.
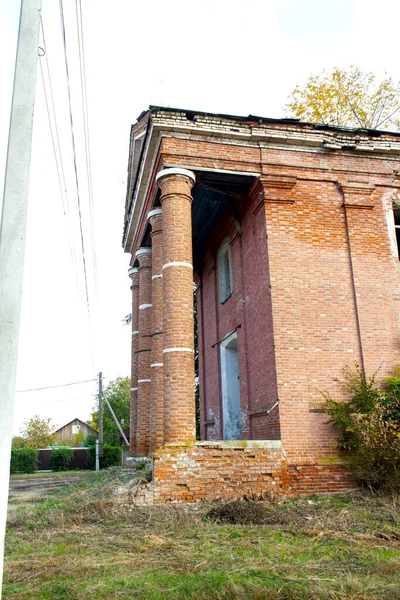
x=134, y=389
x=157, y=365
x=135, y=333
x=156, y=276
x=132, y=270
x=177, y=350
x=142, y=251
x=154, y=212
x=176, y=171
x=144, y=381
x=143, y=306
x=177, y=263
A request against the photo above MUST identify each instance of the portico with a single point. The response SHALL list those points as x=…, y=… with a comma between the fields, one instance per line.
x=279, y=224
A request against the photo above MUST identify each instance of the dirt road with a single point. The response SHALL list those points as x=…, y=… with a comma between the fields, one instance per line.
x=28, y=487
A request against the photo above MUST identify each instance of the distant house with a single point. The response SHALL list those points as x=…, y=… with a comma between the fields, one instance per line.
x=74, y=431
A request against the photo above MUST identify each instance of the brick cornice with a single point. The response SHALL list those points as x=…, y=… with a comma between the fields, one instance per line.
x=273, y=188
x=356, y=194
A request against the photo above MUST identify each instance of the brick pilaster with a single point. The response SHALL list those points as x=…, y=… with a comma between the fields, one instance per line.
x=156, y=395
x=134, y=275
x=178, y=342
x=143, y=255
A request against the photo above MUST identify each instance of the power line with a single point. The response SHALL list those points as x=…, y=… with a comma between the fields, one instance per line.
x=76, y=172
x=58, y=157
x=85, y=112
x=48, y=387
x=54, y=114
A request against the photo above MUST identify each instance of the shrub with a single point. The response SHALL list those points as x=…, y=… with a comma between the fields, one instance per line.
x=377, y=459
x=24, y=460
x=369, y=427
x=111, y=456
x=90, y=439
x=60, y=458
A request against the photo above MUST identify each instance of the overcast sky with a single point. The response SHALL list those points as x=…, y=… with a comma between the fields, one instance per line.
x=236, y=56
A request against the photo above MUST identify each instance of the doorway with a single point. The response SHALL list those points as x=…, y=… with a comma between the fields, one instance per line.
x=232, y=429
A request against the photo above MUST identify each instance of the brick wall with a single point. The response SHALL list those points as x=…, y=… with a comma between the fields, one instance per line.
x=248, y=307
x=229, y=470
x=314, y=228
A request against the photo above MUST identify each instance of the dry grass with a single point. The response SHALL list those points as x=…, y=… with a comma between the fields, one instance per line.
x=90, y=541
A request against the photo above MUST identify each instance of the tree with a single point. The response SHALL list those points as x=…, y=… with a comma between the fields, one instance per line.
x=38, y=432
x=18, y=441
x=118, y=395
x=347, y=99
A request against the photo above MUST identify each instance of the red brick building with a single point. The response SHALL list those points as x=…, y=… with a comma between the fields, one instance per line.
x=289, y=231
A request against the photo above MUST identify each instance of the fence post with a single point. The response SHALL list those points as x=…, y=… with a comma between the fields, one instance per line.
x=97, y=455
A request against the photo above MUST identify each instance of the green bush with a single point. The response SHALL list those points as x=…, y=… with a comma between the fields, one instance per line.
x=24, y=460
x=90, y=439
x=369, y=427
x=111, y=456
x=60, y=458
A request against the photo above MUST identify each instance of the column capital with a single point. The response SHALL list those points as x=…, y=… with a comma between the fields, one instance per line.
x=155, y=212
x=175, y=171
x=132, y=271
x=142, y=251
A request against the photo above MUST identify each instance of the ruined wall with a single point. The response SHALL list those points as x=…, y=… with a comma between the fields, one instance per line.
x=335, y=282
x=228, y=471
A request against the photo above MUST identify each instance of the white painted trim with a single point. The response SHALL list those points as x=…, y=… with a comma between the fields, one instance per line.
x=142, y=251
x=132, y=270
x=154, y=212
x=144, y=306
x=135, y=332
x=156, y=276
x=157, y=365
x=138, y=186
x=134, y=389
x=176, y=171
x=138, y=137
x=177, y=350
x=145, y=184
x=225, y=247
x=226, y=171
x=177, y=263
x=144, y=381
x=392, y=233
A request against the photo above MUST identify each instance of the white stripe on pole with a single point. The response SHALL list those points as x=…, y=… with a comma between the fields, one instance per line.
x=12, y=234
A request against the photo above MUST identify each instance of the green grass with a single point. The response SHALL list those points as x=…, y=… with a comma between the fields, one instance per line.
x=86, y=541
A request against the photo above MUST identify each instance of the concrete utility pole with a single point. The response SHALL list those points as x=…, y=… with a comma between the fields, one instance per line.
x=116, y=421
x=101, y=413
x=12, y=235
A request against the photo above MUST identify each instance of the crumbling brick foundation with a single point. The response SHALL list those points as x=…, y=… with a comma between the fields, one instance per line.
x=255, y=470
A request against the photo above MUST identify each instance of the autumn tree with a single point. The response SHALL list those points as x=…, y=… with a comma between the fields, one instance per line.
x=38, y=432
x=347, y=99
x=118, y=395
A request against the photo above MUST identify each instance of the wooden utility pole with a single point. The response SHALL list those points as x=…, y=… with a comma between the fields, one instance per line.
x=13, y=233
x=101, y=413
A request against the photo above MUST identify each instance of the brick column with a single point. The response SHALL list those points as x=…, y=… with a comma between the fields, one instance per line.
x=144, y=352
x=156, y=396
x=178, y=342
x=134, y=275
